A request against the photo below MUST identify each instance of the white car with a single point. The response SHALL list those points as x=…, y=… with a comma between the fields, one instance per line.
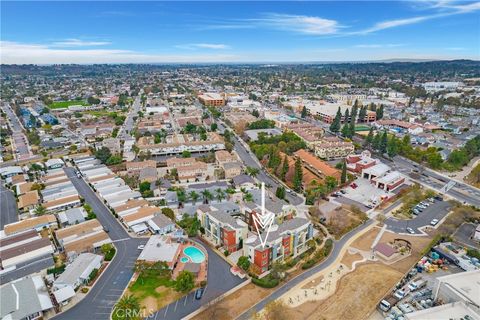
x=410, y=230
x=434, y=222
x=141, y=247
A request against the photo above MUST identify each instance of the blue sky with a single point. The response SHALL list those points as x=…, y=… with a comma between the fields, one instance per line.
x=111, y=32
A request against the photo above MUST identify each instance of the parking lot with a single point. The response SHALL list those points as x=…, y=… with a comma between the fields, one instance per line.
x=438, y=210
x=363, y=195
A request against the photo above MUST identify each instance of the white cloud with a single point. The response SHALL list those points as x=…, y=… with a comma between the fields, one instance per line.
x=378, y=45
x=26, y=53
x=452, y=9
x=301, y=24
x=79, y=43
x=212, y=46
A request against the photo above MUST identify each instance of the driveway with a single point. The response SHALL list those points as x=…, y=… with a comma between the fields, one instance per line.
x=220, y=280
x=109, y=287
x=437, y=210
x=8, y=207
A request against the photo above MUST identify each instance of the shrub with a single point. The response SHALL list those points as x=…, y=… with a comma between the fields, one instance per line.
x=110, y=254
x=266, y=282
x=84, y=290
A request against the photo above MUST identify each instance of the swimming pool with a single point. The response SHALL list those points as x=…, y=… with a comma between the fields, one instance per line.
x=184, y=260
x=195, y=254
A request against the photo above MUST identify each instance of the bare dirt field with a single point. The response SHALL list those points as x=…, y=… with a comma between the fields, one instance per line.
x=365, y=241
x=348, y=259
x=360, y=290
x=236, y=303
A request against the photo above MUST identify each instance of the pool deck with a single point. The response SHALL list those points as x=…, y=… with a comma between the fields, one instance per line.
x=180, y=266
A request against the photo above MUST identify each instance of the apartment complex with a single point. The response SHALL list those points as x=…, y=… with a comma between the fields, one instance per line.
x=333, y=148
x=309, y=133
x=288, y=239
x=327, y=112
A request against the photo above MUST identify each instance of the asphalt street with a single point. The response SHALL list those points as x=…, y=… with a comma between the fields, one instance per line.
x=27, y=268
x=437, y=210
x=20, y=142
x=248, y=159
x=461, y=191
x=337, y=247
x=100, y=301
x=125, y=131
x=8, y=207
x=220, y=280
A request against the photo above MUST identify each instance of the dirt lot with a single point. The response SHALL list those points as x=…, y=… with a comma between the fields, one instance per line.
x=361, y=299
x=348, y=259
x=233, y=305
x=365, y=241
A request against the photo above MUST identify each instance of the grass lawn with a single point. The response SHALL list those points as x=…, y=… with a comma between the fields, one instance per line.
x=97, y=113
x=66, y=104
x=154, y=291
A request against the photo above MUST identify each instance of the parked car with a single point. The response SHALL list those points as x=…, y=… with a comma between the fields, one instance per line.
x=434, y=222
x=416, y=212
x=343, y=191
x=199, y=293
x=399, y=294
x=432, y=200
x=439, y=197
x=410, y=230
x=354, y=185
x=369, y=206
x=419, y=209
x=106, y=229
x=141, y=247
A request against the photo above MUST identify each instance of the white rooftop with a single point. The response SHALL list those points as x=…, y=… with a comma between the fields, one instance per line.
x=158, y=248
x=377, y=170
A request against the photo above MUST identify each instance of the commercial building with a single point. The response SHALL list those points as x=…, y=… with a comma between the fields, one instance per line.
x=327, y=112
x=25, y=298
x=212, y=99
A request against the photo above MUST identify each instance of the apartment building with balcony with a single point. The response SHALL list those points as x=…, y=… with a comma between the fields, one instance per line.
x=288, y=239
x=333, y=148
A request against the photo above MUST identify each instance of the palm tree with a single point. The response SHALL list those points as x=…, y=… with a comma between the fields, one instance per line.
x=130, y=303
x=40, y=210
x=253, y=172
x=220, y=194
x=248, y=197
x=207, y=195
x=194, y=196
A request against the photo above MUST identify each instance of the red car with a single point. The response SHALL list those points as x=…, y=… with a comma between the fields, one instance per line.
x=354, y=185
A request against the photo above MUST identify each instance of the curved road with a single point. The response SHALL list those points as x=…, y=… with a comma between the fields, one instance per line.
x=337, y=248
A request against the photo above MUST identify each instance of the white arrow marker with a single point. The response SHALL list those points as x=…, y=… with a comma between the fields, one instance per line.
x=263, y=221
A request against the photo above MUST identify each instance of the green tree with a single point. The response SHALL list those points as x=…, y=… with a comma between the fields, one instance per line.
x=280, y=192
x=185, y=281
x=207, y=196
x=298, y=176
x=392, y=147
x=345, y=130
x=383, y=142
x=335, y=125
x=40, y=210
x=243, y=263
x=186, y=154
x=213, y=127
x=251, y=171
x=194, y=196
x=304, y=112
x=144, y=186
x=128, y=308
x=369, y=138
x=103, y=154
x=169, y=213
x=379, y=112
x=285, y=168
x=331, y=183
x=220, y=194
x=343, y=178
